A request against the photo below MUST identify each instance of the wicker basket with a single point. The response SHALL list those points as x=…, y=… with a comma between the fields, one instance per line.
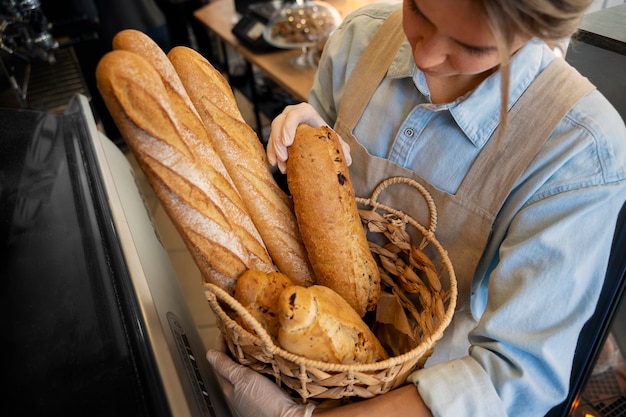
x=425, y=286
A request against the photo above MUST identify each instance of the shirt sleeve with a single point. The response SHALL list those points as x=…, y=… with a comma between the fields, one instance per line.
x=542, y=271
x=437, y=388
x=544, y=285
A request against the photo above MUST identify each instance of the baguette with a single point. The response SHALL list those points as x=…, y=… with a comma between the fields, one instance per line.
x=189, y=179
x=141, y=44
x=244, y=157
x=328, y=217
x=317, y=323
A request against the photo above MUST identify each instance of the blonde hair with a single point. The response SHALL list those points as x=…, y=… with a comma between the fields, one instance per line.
x=549, y=20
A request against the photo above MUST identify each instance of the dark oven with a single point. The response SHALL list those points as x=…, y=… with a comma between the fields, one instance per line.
x=95, y=322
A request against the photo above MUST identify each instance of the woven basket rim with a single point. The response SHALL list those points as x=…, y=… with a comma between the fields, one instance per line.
x=264, y=339
x=214, y=292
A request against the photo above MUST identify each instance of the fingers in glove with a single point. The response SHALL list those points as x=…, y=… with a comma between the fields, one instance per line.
x=276, y=149
x=228, y=388
x=346, y=151
x=220, y=343
x=252, y=394
x=226, y=367
x=283, y=131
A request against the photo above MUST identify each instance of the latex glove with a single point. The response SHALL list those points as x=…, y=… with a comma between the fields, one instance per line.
x=253, y=394
x=220, y=343
x=283, y=131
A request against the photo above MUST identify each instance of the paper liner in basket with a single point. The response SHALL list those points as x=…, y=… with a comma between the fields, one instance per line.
x=415, y=308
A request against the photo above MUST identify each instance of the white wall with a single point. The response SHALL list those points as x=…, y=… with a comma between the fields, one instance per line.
x=603, y=4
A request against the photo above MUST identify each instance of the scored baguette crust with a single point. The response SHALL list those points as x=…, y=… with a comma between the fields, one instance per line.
x=244, y=157
x=319, y=324
x=139, y=43
x=135, y=41
x=169, y=142
x=328, y=217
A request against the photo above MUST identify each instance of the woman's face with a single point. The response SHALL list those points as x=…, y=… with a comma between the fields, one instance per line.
x=450, y=38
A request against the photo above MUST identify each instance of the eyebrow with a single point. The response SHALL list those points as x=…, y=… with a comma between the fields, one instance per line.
x=458, y=42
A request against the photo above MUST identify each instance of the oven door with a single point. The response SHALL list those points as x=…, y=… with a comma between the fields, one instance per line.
x=94, y=319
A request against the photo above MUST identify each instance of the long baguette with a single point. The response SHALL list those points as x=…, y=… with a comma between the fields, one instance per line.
x=169, y=142
x=135, y=41
x=328, y=217
x=244, y=157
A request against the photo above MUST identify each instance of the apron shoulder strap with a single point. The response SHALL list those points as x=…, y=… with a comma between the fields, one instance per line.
x=371, y=68
x=501, y=163
x=531, y=120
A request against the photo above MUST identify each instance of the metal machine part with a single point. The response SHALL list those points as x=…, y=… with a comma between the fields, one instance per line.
x=25, y=37
x=25, y=31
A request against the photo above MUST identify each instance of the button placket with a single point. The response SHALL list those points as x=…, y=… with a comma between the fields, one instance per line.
x=408, y=134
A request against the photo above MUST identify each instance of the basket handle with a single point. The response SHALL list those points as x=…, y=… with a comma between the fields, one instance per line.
x=243, y=312
x=432, y=209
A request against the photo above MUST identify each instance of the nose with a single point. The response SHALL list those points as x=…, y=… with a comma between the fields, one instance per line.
x=430, y=51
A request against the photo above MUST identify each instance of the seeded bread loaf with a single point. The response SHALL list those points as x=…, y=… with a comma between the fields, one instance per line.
x=328, y=217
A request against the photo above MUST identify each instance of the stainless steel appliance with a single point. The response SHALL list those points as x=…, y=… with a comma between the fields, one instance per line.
x=94, y=318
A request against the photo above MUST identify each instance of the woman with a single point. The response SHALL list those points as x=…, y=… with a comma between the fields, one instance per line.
x=527, y=165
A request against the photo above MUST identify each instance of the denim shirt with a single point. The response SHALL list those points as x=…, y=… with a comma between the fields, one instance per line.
x=542, y=270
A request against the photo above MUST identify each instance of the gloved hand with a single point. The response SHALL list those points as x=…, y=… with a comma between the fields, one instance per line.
x=252, y=394
x=283, y=132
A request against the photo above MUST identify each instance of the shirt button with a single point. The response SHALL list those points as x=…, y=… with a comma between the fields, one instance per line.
x=409, y=132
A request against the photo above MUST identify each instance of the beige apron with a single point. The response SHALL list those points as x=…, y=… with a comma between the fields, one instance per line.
x=466, y=218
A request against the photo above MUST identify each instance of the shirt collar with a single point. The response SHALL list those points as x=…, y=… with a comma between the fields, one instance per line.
x=478, y=126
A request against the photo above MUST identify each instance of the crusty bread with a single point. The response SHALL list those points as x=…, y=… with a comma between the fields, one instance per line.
x=328, y=217
x=135, y=41
x=258, y=292
x=244, y=157
x=169, y=141
x=317, y=323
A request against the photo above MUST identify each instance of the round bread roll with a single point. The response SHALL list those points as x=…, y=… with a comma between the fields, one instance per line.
x=258, y=292
x=317, y=323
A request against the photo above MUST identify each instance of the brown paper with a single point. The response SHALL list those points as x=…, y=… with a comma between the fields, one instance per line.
x=392, y=326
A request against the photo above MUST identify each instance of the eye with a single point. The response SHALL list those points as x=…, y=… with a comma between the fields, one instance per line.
x=413, y=7
x=479, y=52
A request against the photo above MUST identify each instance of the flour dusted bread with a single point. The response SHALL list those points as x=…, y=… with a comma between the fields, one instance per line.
x=244, y=157
x=317, y=323
x=258, y=292
x=328, y=217
x=141, y=44
x=169, y=142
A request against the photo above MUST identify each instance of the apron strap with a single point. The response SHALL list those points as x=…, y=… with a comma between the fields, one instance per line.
x=371, y=68
x=501, y=163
